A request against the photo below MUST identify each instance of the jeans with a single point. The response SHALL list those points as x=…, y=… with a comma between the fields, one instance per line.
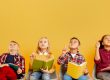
x=38, y=75
x=67, y=77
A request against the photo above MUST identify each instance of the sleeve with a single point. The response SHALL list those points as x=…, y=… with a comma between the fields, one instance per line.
x=80, y=59
x=62, y=59
x=22, y=65
x=2, y=58
x=97, y=61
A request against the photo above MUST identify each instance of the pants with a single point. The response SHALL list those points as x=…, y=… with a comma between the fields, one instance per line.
x=6, y=73
x=39, y=75
x=103, y=75
x=67, y=77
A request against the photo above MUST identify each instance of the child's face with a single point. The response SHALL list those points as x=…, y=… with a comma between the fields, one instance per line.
x=13, y=47
x=106, y=41
x=74, y=43
x=43, y=43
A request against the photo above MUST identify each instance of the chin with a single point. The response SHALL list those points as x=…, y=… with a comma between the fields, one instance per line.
x=73, y=48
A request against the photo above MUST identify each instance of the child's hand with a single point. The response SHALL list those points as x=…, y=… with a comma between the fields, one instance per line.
x=32, y=56
x=85, y=71
x=45, y=70
x=98, y=45
x=19, y=71
x=2, y=65
x=106, y=69
x=65, y=50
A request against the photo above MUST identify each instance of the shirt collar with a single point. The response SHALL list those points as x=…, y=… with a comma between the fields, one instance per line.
x=43, y=53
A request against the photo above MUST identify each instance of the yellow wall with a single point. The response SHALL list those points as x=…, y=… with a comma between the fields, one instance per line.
x=27, y=20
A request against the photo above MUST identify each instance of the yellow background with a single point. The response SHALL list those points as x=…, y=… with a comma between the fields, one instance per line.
x=25, y=21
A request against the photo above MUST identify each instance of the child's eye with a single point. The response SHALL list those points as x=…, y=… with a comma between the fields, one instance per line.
x=45, y=41
x=40, y=42
x=14, y=44
x=10, y=44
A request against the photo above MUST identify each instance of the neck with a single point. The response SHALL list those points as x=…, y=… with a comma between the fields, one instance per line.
x=73, y=51
x=13, y=52
x=107, y=48
x=43, y=50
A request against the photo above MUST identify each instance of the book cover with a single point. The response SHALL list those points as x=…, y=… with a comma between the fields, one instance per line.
x=38, y=64
x=14, y=67
x=75, y=70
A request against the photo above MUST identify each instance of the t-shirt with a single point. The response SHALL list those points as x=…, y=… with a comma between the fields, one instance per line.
x=9, y=59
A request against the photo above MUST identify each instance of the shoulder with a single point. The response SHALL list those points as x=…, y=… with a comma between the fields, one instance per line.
x=33, y=54
x=4, y=54
x=51, y=55
x=21, y=57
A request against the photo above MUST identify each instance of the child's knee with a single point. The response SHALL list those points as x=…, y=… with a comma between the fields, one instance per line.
x=35, y=76
x=67, y=77
x=83, y=78
x=46, y=76
x=9, y=72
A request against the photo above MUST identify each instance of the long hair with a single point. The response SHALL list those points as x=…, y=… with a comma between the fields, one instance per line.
x=39, y=49
x=101, y=41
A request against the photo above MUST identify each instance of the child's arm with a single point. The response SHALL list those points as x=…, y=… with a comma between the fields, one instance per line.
x=2, y=58
x=2, y=65
x=52, y=69
x=32, y=57
x=97, y=56
x=63, y=57
x=21, y=66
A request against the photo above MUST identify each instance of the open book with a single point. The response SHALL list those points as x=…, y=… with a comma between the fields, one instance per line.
x=38, y=64
x=75, y=70
x=14, y=67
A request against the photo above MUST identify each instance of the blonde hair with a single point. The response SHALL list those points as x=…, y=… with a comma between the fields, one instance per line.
x=14, y=42
x=38, y=48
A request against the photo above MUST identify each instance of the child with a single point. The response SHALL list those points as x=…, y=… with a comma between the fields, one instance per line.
x=14, y=58
x=42, y=49
x=102, y=58
x=71, y=56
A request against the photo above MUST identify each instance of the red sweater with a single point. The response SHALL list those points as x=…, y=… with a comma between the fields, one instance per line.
x=104, y=60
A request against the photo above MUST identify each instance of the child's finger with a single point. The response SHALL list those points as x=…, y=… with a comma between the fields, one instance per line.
x=47, y=67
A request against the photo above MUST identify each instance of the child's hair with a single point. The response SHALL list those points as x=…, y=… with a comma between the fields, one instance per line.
x=38, y=48
x=76, y=39
x=101, y=45
x=14, y=42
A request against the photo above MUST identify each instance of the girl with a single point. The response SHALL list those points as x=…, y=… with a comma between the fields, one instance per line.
x=14, y=58
x=102, y=58
x=72, y=55
x=42, y=49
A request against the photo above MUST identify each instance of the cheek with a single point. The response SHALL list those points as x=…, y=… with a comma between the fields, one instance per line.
x=104, y=42
x=46, y=45
x=9, y=48
x=39, y=44
x=75, y=45
x=16, y=47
